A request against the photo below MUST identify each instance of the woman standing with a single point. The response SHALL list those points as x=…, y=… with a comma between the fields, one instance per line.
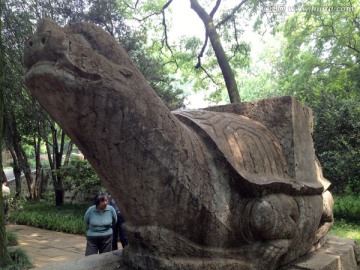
x=99, y=220
x=6, y=195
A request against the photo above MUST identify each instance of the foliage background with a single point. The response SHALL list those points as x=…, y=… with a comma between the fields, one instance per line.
x=313, y=56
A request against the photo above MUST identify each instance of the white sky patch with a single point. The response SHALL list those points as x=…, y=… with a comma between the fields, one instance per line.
x=185, y=21
x=196, y=101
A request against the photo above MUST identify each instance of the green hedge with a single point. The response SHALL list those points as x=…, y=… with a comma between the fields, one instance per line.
x=67, y=218
x=347, y=208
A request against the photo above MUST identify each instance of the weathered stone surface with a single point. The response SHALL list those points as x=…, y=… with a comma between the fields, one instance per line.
x=335, y=254
x=109, y=261
x=231, y=187
x=292, y=124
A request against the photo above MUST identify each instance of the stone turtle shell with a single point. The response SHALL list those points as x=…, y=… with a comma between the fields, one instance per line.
x=250, y=148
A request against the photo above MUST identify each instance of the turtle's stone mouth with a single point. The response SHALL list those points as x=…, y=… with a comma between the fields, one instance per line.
x=60, y=68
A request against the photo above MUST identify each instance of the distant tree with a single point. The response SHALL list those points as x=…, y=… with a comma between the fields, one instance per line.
x=57, y=147
x=320, y=66
x=79, y=176
x=321, y=53
x=337, y=140
x=258, y=81
x=214, y=37
x=21, y=113
x=224, y=26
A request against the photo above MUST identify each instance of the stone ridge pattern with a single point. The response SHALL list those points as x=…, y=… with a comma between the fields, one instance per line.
x=231, y=187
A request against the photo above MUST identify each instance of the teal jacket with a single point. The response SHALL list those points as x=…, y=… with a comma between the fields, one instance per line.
x=100, y=224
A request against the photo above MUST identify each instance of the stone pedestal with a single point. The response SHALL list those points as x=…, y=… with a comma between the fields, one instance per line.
x=336, y=254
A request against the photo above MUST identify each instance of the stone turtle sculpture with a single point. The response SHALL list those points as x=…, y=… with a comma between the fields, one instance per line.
x=228, y=187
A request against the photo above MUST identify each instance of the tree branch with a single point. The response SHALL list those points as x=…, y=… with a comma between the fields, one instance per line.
x=162, y=12
x=231, y=14
x=200, y=55
x=201, y=12
x=337, y=38
x=134, y=7
x=165, y=40
x=216, y=7
x=206, y=19
x=208, y=75
x=220, y=54
x=167, y=4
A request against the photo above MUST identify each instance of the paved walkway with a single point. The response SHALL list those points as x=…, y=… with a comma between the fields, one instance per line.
x=47, y=247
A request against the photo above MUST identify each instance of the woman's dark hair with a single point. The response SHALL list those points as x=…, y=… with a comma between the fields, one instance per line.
x=100, y=198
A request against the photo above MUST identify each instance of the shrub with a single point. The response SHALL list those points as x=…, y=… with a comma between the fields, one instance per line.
x=11, y=239
x=67, y=218
x=346, y=214
x=17, y=203
x=347, y=208
x=79, y=176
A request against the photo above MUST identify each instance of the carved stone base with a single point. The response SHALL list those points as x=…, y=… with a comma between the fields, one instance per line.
x=336, y=254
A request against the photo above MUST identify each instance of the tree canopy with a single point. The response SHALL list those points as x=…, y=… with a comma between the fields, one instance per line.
x=319, y=65
x=216, y=67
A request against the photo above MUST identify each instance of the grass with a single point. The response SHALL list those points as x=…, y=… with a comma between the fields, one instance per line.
x=68, y=218
x=20, y=259
x=11, y=239
x=346, y=229
x=347, y=217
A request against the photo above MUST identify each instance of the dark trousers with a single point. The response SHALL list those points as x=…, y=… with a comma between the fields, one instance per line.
x=119, y=232
x=98, y=244
x=6, y=211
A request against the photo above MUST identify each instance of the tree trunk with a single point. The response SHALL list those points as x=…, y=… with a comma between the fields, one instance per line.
x=220, y=54
x=38, y=168
x=68, y=153
x=30, y=180
x=14, y=141
x=25, y=167
x=59, y=196
x=55, y=161
x=17, y=172
x=5, y=258
x=3, y=176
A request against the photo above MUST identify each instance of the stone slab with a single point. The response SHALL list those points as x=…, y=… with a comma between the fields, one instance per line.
x=108, y=261
x=292, y=124
x=336, y=254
